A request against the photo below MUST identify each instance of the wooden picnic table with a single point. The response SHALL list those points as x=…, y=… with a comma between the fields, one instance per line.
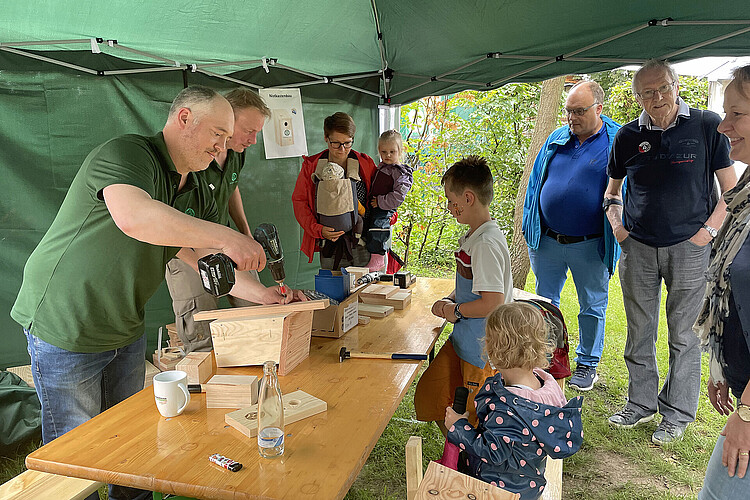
x=131, y=444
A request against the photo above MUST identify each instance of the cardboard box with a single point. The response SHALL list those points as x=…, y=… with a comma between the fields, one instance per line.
x=335, y=320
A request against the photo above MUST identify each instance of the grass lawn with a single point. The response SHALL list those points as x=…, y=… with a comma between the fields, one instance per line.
x=611, y=465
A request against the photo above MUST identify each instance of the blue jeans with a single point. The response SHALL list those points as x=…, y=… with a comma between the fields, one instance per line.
x=550, y=263
x=642, y=269
x=718, y=485
x=73, y=387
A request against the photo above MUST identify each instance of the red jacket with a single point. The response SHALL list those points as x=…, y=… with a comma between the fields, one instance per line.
x=303, y=197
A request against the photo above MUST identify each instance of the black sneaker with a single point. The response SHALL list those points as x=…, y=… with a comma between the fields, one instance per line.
x=627, y=418
x=584, y=377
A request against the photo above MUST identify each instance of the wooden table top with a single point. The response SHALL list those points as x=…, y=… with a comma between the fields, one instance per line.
x=132, y=445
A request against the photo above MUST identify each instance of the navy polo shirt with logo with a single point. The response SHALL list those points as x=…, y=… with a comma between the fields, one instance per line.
x=670, y=176
x=223, y=181
x=86, y=284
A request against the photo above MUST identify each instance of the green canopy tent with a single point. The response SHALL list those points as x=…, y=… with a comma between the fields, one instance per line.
x=73, y=75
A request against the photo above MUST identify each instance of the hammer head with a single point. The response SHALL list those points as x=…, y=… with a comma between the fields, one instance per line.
x=344, y=354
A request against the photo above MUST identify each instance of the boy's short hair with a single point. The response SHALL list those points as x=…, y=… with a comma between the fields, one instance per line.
x=339, y=122
x=516, y=336
x=242, y=98
x=470, y=173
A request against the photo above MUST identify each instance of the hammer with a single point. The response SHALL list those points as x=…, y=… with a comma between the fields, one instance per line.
x=344, y=354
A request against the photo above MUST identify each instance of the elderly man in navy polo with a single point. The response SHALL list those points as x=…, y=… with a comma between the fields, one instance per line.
x=564, y=224
x=670, y=155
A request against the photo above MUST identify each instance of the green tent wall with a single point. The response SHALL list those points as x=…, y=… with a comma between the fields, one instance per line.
x=70, y=78
x=53, y=117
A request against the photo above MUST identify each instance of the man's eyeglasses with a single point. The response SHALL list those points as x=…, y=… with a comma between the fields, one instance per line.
x=579, y=111
x=337, y=144
x=663, y=90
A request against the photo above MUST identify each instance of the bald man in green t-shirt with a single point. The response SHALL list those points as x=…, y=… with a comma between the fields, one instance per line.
x=135, y=202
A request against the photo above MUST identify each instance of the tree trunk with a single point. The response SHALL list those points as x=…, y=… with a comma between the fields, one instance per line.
x=546, y=119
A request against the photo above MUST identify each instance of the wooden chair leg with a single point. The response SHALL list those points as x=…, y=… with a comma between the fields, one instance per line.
x=413, y=466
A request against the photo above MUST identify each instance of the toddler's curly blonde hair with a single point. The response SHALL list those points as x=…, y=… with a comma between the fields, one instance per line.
x=516, y=337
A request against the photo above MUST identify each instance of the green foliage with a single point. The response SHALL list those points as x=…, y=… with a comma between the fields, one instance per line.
x=439, y=131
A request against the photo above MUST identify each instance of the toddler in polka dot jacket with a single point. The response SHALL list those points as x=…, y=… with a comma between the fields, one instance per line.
x=522, y=412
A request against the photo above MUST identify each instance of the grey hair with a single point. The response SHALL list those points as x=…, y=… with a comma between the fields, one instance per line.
x=742, y=77
x=193, y=98
x=655, y=64
x=596, y=90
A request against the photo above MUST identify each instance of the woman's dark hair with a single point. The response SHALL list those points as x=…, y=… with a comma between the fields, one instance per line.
x=339, y=122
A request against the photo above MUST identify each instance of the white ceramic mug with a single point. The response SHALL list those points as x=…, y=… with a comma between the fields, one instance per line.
x=171, y=393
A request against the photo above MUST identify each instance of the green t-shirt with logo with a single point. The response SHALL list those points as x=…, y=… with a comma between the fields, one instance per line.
x=86, y=284
x=223, y=182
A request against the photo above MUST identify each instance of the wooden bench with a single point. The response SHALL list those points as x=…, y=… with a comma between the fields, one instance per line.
x=33, y=484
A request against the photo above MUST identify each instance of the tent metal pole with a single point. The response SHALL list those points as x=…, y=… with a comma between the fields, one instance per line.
x=45, y=42
x=606, y=60
x=50, y=60
x=518, y=56
x=409, y=75
x=438, y=77
x=467, y=82
x=311, y=75
x=356, y=77
x=356, y=89
x=381, y=47
x=231, y=63
x=707, y=23
x=142, y=70
x=114, y=44
x=570, y=54
x=305, y=84
x=707, y=42
x=229, y=78
x=607, y=40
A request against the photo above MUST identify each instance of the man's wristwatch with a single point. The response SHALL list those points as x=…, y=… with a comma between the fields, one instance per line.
x=610, y=201
x=458, y=314
x=743, y=411
x=711, y=230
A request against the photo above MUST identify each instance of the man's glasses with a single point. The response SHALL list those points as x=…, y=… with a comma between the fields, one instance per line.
x=337, y=144
x=663, y=90
x=579, y=111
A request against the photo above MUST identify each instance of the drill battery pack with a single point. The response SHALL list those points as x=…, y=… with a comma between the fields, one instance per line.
x=217, y=274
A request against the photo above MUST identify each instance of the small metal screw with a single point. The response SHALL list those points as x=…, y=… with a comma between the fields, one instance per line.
x=433, y=492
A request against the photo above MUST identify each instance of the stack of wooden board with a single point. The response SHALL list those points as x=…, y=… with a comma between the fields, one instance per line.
x=386, y=295
x=297, y=406
x=174, y=339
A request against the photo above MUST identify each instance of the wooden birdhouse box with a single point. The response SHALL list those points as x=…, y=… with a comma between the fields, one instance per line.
x=245, y=336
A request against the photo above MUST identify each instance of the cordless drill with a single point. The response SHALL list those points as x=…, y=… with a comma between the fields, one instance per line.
x=268, y=237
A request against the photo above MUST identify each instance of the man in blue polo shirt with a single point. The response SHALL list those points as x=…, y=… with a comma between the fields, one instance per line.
x=564, y=225
x=670, y=155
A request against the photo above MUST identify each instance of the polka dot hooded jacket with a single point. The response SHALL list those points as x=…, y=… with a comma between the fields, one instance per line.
x=515, y=435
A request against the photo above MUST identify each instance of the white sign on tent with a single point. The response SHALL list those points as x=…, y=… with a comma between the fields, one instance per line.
x=284, y=133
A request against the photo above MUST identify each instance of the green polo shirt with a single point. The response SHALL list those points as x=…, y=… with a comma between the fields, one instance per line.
x=86, y=284
x=223, y=182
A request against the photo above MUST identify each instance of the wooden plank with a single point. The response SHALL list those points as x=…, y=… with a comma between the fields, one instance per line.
x=249, y=341
x=398, y=300
x=374, y=310
x=33, y=484
x=174, y=339
x=231, y=391
x=297, y=406
x=295, y=341
x=378, y=291
x=25, y=373
x=442, y=483
x=358, y=272
x=553, y=475
x=413, y=466
x=363, y=320
x=151, y=370
x=198, y=365
x=170, y=356
x=255, y=311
